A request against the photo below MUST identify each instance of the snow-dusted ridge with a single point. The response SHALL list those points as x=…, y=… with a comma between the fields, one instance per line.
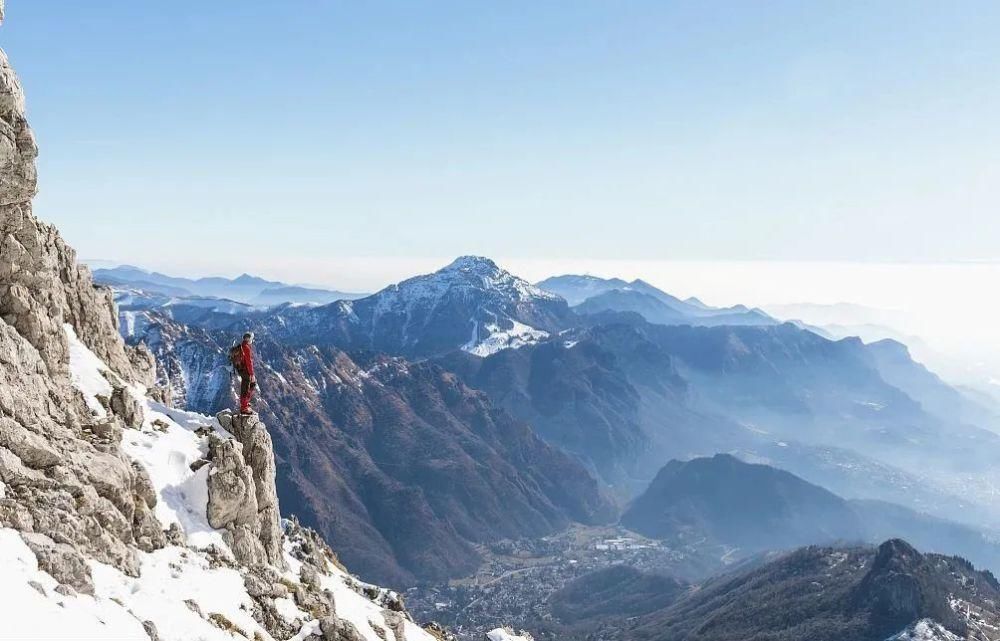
x=500, y=305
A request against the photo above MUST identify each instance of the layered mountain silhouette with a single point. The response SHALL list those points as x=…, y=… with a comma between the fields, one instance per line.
x=752, y=508
x=618, y=394
x=247, y=289
x=592, y=295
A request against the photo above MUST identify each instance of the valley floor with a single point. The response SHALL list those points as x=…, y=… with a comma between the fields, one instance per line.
x=516, y=579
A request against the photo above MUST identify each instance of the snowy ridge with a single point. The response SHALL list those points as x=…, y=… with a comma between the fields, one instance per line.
x=192, y=588
x=470, y=295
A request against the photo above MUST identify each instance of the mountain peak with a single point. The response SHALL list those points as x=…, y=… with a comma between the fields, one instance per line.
x=472, y=263
x=248, y=279
x=476, y=272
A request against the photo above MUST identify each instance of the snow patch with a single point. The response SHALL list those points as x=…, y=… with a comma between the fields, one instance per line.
x=166, y=446
x=288, y=610
x=168, y=578
x=86, y=371
x=925, y=630
x=498, y=339
x=506, y=634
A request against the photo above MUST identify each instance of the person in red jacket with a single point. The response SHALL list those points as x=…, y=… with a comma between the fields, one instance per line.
x=247, y=380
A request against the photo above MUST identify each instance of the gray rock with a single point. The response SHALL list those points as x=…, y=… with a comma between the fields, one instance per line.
x=126, y=406
x=62, y=561
x=32, y=449
x=174, y=534
x=256, y=586
x=232, y=497
x=337, y=629
x=242, y=493
x=151, y=631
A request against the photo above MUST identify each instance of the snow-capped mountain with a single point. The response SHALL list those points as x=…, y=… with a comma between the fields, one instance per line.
x=471, y=304
x=501, y=309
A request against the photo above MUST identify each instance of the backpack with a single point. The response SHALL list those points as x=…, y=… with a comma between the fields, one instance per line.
x=236, y=357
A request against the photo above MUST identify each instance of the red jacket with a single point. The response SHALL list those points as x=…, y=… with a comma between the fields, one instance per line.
x=247, y=358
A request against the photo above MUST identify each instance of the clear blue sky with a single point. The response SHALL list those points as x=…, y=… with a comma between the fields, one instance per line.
x=578, y=129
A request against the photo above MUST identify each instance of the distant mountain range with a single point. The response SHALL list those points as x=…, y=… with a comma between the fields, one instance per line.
x=574, y=405
x=592, y=295
x=247, y=289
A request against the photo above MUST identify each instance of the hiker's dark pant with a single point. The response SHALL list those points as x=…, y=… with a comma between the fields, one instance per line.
x=246, y=391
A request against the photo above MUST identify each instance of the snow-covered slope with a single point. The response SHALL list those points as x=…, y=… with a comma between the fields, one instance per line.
x=193, y=588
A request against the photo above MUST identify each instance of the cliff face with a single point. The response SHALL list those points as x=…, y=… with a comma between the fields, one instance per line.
x=41, y=286
x=168, y=521
x=71, y=492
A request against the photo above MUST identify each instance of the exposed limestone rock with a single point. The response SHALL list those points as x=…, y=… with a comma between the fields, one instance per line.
x=439, y=632
x=242, y=493
x=62, y=561
x=125, y=405
x=70, y=492
x=231, y=494
x=151, y=631
x=32, y=449
x=41, y=286
x=336, y=629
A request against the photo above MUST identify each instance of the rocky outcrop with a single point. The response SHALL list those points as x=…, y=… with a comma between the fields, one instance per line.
x=66, y=484
x=242, y=498
x=900, y=588
x=41, y=285
x=68, y=490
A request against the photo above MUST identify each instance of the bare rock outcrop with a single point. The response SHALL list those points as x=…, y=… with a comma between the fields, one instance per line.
x=242, y=496
x=41, y=284
x=72, y=495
